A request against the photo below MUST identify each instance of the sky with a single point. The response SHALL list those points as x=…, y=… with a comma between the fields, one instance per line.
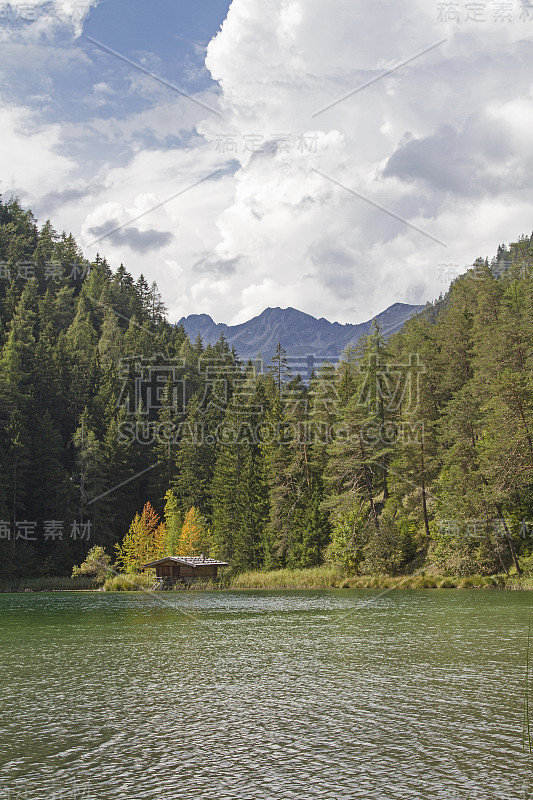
x=334, y=157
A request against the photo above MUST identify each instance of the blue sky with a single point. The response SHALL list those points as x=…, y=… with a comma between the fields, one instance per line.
x=168, y=38
x=335, y=158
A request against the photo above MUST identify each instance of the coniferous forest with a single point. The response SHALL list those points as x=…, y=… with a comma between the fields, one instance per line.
x=118, y=431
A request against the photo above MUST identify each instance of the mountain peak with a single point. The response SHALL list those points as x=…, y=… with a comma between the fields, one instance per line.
x=300, y=334
x=278, y=312
x=199, y=318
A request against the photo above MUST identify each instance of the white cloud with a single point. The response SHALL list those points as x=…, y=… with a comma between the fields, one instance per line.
x=42, y=18
x=175, y=193
x=442, y=142
x=28, y=156
x=318, y=246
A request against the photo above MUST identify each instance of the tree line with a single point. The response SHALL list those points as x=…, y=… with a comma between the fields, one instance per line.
x=117, y=430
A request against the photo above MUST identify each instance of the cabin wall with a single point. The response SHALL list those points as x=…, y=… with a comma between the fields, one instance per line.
x=169, y=570
x=209, y=571
x=175, y=571
x=186, y=571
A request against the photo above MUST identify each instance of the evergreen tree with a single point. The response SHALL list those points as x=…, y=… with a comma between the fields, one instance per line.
x=239, y=491
x=279, y=368
x=371, y=462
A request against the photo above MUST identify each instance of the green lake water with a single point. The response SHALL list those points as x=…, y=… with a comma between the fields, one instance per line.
x=264, y=695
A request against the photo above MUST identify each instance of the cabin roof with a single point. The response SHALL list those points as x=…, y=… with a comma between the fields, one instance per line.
x=191, y=561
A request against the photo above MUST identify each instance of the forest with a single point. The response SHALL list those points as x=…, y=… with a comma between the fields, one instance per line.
x=117, y=431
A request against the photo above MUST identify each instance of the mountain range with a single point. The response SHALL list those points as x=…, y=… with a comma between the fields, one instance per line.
x=308, y=341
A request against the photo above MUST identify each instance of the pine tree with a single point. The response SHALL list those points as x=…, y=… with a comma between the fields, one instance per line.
x=416, y=463
x=157, y=309
x=143, y=293
x=279, y=368
x=17, y=360
x=195, y=459
x=48, y=481
x=81, y=341
x=298, y=529
x=165, y=448
x=238, y=490
x=360, y=455
x=110, y=345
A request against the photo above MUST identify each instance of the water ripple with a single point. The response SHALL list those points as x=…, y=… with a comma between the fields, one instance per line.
x=252, y=695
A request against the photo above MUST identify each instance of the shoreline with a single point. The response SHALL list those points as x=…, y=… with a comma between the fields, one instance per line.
x=311, y=579
x=330, y=578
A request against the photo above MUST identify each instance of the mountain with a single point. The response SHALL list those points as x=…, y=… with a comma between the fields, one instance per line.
x=301, y=335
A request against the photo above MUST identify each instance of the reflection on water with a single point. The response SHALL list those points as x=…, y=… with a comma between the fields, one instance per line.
x=252, y=695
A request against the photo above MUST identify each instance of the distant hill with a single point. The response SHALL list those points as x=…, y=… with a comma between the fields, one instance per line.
x=301, y=335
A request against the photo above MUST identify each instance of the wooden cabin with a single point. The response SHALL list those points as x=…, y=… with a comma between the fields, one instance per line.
x=185, y=569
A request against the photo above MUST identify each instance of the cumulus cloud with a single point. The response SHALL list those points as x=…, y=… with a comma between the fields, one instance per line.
x=479, y=158
x=29, y=157
x=354, y=141
x=42, y=18
x=209, y=263
x=140, y=241
x=177, y=191
x=113, y=225
x=357, y=220
x=60, y=197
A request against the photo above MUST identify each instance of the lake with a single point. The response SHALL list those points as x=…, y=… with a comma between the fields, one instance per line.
x=263, y=695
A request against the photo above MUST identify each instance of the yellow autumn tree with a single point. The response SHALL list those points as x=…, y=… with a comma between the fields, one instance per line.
x=195, y=536
x=145, y=541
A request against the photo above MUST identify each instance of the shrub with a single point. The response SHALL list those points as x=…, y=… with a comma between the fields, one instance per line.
x=97, y=563
x=454, y=555
x=392, y=547
x=129, y=583
x=471, y=582
x=526, y=563
x=348, y=536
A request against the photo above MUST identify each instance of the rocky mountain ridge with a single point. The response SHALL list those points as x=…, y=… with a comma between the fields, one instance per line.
x=300, y=334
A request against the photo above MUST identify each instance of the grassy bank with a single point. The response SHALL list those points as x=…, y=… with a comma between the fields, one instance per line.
x=129, y=583
x=46, y=584
x=328, y=577
x=324, y=577
x=140, y=582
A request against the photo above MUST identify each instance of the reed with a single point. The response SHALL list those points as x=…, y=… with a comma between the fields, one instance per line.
x=129, y=583
x=324, y=577
x=327, y=577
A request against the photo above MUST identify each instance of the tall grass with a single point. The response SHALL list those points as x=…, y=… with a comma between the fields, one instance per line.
x=520, y=582
x=129, y=583
x=202, y=586
x=324, y=577
x=329, y=577
x=140, y=582
x=46, y=584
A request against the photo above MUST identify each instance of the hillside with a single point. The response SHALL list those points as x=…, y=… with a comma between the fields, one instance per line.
x=300, y=334
x=414, y=453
